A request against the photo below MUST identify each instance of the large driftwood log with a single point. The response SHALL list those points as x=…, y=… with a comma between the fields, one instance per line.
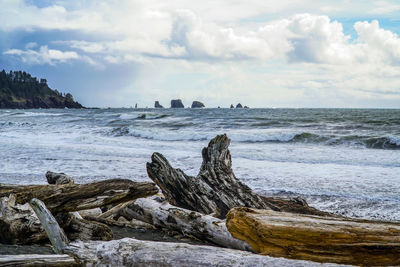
x=191, y=223
x=316, y=238
x=74, y=197
x=132, y=252
x=37, y=260
x=216, y=188
x=19, y=223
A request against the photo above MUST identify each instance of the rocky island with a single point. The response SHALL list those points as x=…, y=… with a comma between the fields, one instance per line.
x=19, y=89
x=177, y=103
x=157, y=105
x=198, y=104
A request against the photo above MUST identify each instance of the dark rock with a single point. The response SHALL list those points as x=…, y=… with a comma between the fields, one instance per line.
x=246, y=107
x=197, y=104
x=239, y=106
x=58, y=178
x=232, y=106
x=157, y=105
x=177, y=103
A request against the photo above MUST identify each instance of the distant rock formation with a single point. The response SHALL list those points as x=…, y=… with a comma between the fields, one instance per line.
x=177, y=103
x=232, y=106
x=19, y=89
x=157, y=105
x=239, y=105
x=245, y=107
x=197, y=104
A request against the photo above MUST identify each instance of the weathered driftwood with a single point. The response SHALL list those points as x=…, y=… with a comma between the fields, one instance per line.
x=56, y=235
x=191, y=223
x=216, y=188
x=132, y=252
x=19, y=223
x=72, y=223
x=37, y=260
x=316, y=238
x=74, y=197
x=82, y=229
x=58, y=178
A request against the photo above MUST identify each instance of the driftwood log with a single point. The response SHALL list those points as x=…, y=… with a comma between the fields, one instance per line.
x=37, y=260
x=81, y=229
x=215, y=189
x=72, y=223
x=190, y=223
x=132, y=252
x=316, y=238
x=74, y=197
x=19, y=223
x=56, y=235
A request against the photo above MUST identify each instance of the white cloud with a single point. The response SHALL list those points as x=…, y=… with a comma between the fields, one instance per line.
x=378, y=44
x=43, y=56
x=272, y=47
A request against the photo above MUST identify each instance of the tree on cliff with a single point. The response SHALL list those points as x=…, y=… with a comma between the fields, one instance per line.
x=19, y=89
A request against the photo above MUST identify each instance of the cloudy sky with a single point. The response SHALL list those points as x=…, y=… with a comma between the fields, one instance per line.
x=262, y=53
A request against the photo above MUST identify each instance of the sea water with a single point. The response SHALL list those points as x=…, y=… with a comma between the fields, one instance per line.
x=345, y=161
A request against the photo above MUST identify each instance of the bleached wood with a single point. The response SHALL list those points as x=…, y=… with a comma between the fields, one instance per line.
x=37, y=260
x=56, y=235
x=191, y=223
x=138, y=253
x=19, y=223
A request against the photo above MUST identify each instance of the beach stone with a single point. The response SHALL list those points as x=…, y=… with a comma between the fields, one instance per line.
x=58, y=178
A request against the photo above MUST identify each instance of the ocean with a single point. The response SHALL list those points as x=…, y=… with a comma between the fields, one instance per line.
x=345, y=161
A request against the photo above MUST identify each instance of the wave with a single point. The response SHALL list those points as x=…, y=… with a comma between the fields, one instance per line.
x=250, y=136
x=142, y=116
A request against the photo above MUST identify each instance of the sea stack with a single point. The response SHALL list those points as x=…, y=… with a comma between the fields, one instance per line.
x=232, y=106
x=157, y=105
x=246, y=107
x=197, y=104
x=239, y=105
x=177, y=103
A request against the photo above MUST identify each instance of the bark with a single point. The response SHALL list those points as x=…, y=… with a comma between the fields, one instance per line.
x=19, y=223
x=132, y=252
x=316, y=238
x=56, y=235
x=190, y=223
x=82, y=229
x=37, y=260
x=74, y=197
x=216, y=188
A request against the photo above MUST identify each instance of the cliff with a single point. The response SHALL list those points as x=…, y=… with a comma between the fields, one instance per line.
x=20, y=90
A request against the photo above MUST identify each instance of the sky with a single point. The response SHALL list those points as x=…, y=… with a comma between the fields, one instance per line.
x=261, y=53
